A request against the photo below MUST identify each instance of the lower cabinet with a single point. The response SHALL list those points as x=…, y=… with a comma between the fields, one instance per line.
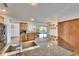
x=28, y=37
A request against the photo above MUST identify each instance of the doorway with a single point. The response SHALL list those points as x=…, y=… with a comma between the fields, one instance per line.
x=43, y=31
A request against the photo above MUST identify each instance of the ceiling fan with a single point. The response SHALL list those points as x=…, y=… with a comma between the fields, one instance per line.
x=5, y=5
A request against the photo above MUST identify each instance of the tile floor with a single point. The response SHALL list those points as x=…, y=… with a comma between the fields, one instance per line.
x=47, y=49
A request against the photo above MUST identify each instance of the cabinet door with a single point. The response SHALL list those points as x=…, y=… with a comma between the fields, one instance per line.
x=31, y=36
x=66, y=31
x=61, y=30
x=69, y=31
x=1, y=19
x=23, y=26
x=24, y=38
x=74, y=33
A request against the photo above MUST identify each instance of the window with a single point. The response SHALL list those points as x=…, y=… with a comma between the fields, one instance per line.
x=43, y=30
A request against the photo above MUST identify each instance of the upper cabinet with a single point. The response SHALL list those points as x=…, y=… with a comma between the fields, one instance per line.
x=1, y=19
x=23, y=26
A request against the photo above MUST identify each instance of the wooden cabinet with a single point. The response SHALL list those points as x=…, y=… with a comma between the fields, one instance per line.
x=69, y=31
x=31, y=36
x=23, y=26
x=74, y=33
x=23, y=30
x=24, y=35
x=24, y=38
x=1, y=19
x=28, y=37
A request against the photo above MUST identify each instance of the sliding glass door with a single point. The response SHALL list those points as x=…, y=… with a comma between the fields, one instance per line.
x=43, y=31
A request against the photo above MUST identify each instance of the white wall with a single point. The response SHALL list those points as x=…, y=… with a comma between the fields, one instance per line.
x=8, y=28
x=31, y=27
x=15, y=29
x=12, y=29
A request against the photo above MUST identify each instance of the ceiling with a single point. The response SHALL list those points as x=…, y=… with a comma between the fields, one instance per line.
x=42, y=12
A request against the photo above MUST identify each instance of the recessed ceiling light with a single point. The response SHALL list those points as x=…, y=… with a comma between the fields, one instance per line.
x=3, y=10
x=33, y=4
x=32, y=19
